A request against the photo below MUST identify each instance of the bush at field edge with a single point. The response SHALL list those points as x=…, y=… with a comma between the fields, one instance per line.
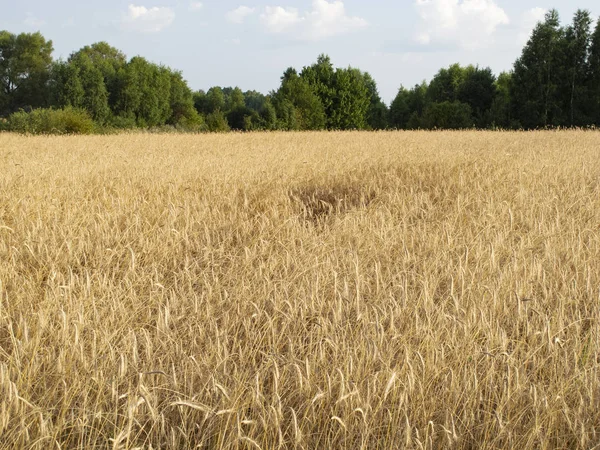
x=50, y=121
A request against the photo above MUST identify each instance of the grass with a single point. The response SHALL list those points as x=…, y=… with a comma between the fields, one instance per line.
x=310, y=290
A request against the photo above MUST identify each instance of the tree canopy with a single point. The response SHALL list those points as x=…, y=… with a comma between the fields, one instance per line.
x=25, y=62
x=555, y=81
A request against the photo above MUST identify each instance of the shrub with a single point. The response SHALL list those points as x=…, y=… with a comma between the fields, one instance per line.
x=74, y=121
x=122, y=122
x=217, y=122
x=51, y=121
x=192, y=123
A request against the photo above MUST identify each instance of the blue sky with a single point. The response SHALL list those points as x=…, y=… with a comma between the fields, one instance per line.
x=249, y=43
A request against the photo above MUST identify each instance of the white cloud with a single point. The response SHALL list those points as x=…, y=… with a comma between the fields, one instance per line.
x=278, y=19
x=325, y=19
x=33, y=22
x=468, y=24
x=529, y=20
x=239, y=14
x=147, y=20
x=234, y=41
x=195, y=6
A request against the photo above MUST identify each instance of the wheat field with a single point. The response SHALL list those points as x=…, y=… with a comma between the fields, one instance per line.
x=300, y=290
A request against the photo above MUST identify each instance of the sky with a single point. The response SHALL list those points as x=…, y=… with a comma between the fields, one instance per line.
x=250, y=43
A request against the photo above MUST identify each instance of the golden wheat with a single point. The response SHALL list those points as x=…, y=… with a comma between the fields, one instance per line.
x=300, y=290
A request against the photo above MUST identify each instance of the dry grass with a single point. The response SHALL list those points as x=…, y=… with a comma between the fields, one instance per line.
x=341, y=290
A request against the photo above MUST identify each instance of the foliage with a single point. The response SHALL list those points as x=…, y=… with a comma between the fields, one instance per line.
x=445, y=85
x=574, y=94
x=217, y=122
x=95, y=98
x=554, y=82
x=268, y=115
x=478, y=90
x=347, y=95
x=351, y=101
x=500, y=111
x=320, y=78
x=122, y=122
x=536, y=76
x=108, y=61
x=377, y=113
x=144, y=92
x=181, y=101
x=25, y=62
x=399, y=109
x=447, y=115
x=297, y=103
x=408, y=106
x=241, y=118
x=593, y=81
x=51, y=121
x=67, y=87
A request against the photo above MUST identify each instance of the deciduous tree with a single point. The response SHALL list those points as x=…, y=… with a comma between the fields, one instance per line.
x=25, y=62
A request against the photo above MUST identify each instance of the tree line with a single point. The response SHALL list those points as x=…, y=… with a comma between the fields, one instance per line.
x=554, y=83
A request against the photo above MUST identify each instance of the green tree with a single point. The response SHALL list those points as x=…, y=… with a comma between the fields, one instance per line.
x=351, y=100
x=95, y=98
x=239, y=116
x=445, y=85
x=144, y=92
x=344, y=93
x=478, y=89
x=216, y=122
x=575, y=95
x=181, y=101
x=268, y=115
x=594, y=76
x=399, y=109
x=215, y=100
x=108, y=61
x=242, y=118
x=66, y=87
x=234, y=99
x=447, y=115
x=500, y=111
x=377, y=114
x=536, y=76
x=254, y=100
x=320, y=77
x=200, y=101
x=407, y=107
x=297, y=105
x=287, y=115
x=25, y=63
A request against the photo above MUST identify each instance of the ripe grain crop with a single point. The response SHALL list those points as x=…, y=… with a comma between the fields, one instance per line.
x=300, y=290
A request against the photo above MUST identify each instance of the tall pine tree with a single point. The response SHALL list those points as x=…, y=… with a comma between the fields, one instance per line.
x=536, y=77
x=594, y=76
x=575, y=97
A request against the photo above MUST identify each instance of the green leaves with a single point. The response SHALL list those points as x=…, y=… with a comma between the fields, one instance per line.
x=115, y=92
x=308, y=110
x=593, y=81
x=554, y=82
x=51, y=121
x=324, y=97
x=25, y=61
x=447, y=115
x=536, y=76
